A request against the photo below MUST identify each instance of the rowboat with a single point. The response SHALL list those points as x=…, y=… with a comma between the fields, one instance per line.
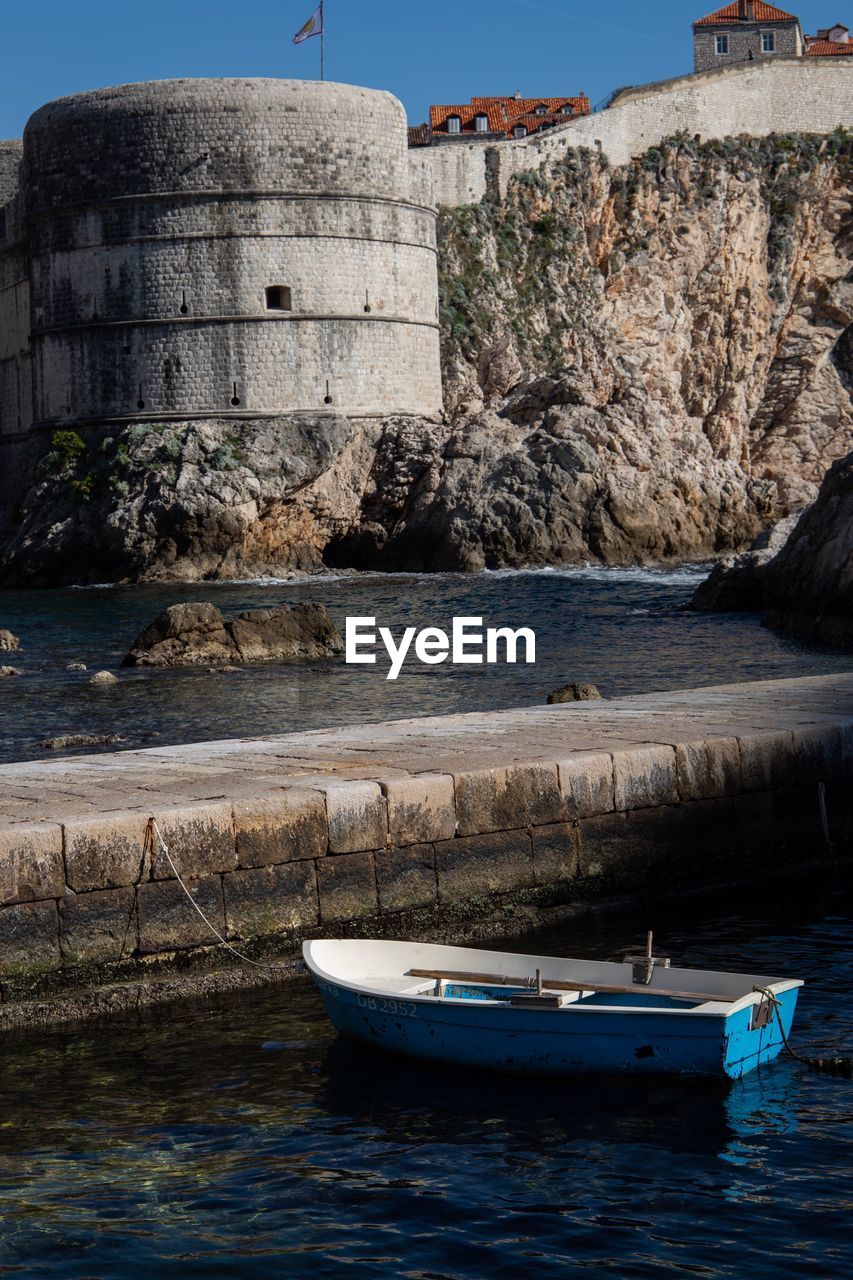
x=529, y=1013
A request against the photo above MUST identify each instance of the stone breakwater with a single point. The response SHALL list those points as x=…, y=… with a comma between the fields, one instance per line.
x=409, y=827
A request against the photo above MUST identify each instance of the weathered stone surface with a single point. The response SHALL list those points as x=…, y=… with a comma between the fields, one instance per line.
x=104, y=852
x=29, y=938
x=8, y=641
x=573, y=693
x=555, y=853
x=524, y=795
x=661, y=845
x=767, y=761
x=819, y=754
x=98, y=928
x=586, y=783
x=420, y=809
x=103, y=680
x=266, y=900
x=200, y=839
x=8, y=673
x=347, y=886
x=707, y=768
x=196, y=634
x=69, y=741
x=406, y=877
x=282, y=826
x=474, y=865
x=644, y=777
x=31, y=865
x=167, y=921
x=357, y=816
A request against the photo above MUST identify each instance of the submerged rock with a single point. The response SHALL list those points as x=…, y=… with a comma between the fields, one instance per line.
x=573, y=693
x=76, y=666
x=10, y=671
x=8, y=640
x=66, y=741
x=189, y=635
x=103, y=679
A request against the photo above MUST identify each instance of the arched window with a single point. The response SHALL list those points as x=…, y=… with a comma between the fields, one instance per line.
x=481, y=124
x=454, y=124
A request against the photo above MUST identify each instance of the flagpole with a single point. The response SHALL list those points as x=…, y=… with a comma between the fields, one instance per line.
x=322, y=41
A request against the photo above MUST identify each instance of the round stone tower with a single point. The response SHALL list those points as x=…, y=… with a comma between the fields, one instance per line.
x=206, y=248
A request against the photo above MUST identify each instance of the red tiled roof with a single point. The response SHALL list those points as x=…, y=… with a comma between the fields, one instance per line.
x=504, y=113
x=419, y=135
x=734, y=13
x=829, y=49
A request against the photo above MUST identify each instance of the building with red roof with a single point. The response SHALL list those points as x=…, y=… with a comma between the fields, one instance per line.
x=497, y=119
x=745, y=31
x=829, y=42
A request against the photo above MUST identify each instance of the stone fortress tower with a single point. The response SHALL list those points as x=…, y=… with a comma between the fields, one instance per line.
x=203, y=248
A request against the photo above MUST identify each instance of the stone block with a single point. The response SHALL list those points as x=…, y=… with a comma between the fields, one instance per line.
x=284, y=826
x=347, y=887
x=98, y=927
x=474, y=865
x=104, y=853
x=524, y=795
x=168, y=922
x=420, y=808
x=586, y=783
x=644, y=777
x=406, y=877
x=357, y=816
x=29, y=938
x=31, y=866
x=555, y=853
x=708, y=768
x=667, y=845
x=200, y=838
x=783, y=826
x=767, y=761
x=266, y=900
x=819, y=754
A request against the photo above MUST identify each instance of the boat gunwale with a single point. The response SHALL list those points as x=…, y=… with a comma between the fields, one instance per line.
x=708, y=1009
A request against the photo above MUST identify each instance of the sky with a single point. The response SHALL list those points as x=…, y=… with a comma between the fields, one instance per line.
x=441, y=51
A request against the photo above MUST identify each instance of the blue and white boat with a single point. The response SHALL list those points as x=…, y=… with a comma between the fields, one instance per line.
x=527, y=1013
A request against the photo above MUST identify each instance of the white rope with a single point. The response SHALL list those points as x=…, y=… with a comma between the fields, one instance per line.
x=284, y=968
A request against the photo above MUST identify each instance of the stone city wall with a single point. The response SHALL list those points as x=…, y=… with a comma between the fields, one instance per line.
x=802, y=95
x=643, y=795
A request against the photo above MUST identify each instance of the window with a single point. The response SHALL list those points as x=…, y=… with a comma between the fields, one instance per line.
x=481, y=124
x=722, y=44
x=520, y=131
x=567, y=109
x=279, y=298
x=541, y=110
x=454, y=124
x=768, y=42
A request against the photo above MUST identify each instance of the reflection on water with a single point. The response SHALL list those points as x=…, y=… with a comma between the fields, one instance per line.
x=244, y=1139
x=626, y=630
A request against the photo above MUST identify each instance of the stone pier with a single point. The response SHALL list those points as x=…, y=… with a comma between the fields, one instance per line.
x=402, y=829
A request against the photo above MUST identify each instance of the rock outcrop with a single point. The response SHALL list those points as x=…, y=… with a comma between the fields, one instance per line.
x=806, y=587
x=188, y=635
x=8, y=641
x=573, y=692
x=645, y=363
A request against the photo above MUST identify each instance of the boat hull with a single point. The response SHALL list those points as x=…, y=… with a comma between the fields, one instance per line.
x=564, y=1041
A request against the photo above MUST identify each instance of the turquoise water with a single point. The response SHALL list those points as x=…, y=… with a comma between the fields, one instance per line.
x=626, y=630
x=242, y=1139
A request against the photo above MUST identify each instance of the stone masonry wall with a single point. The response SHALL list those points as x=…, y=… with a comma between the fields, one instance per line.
x=776, y=95
x=149, y=269
x=15, y=385
x=320, y=853
x=744, y=39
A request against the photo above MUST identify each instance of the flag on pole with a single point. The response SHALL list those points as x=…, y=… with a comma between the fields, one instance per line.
x=313, y=27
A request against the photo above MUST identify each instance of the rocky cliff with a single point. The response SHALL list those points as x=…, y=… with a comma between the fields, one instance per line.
x=642, y=363
x=805, y=585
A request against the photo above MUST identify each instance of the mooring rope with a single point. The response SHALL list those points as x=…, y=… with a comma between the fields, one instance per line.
x=822, y=1065
x=153, y=830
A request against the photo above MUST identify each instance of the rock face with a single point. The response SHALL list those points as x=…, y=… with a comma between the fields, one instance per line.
x=196, y=634
x=573, y=693
x=8, y=641
x=640, y=364
x=806, y=586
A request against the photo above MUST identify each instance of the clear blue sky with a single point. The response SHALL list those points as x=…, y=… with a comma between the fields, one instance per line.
x=422, y=50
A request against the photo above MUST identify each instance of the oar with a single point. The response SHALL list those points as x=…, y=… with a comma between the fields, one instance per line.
x=554, y=984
